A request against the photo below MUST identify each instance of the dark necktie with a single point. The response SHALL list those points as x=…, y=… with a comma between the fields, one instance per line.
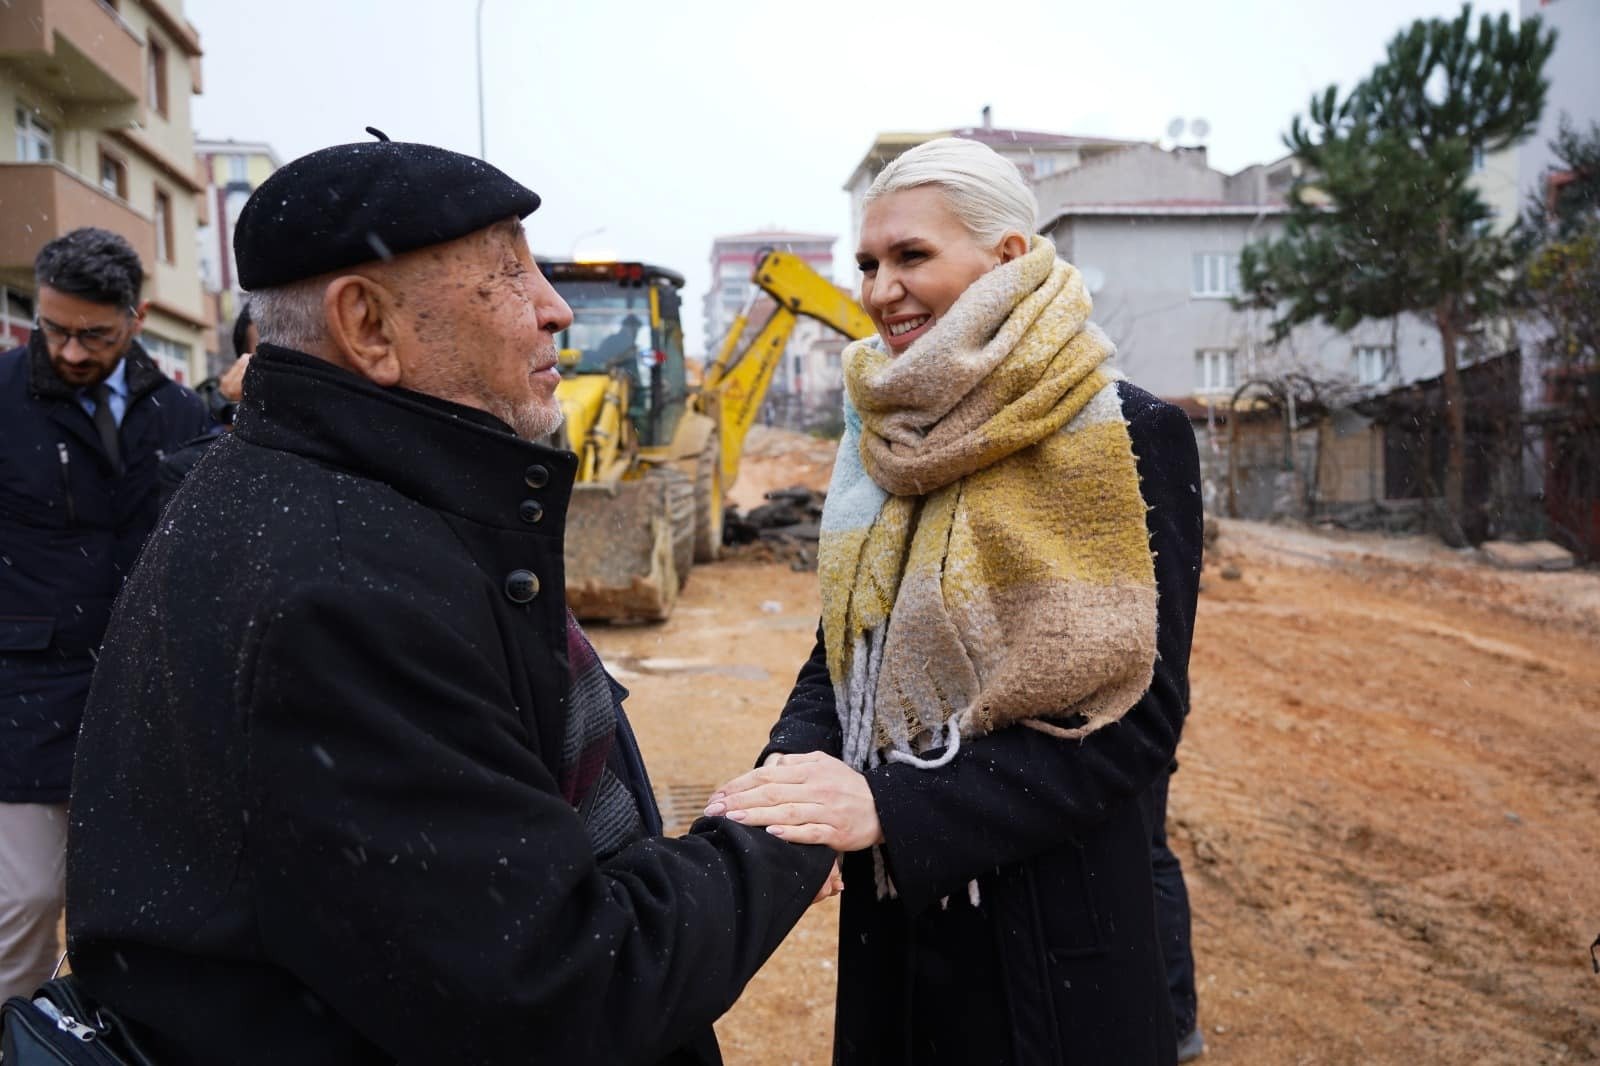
x=105, y=423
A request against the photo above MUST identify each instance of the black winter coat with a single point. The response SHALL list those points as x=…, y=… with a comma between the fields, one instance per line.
x=71, y=527
x=316, y=817
x=1060, y=963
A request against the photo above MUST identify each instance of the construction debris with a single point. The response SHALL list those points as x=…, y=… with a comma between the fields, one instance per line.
x=784, y=529
x=1532, y=555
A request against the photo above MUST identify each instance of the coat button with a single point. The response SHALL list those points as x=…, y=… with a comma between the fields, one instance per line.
x=531, y=511
x=522, y=586
x=536, y=476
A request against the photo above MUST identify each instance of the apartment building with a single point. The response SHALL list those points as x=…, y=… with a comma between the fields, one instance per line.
x=808, y=376
x=1157, y=235
x=733, y=259
x=232, y=170
x=97, y=97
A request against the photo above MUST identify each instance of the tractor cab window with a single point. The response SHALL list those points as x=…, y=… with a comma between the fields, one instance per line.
x=610, y=326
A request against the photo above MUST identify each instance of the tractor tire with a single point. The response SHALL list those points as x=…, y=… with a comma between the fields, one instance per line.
x=681, y=499
x=708, y=503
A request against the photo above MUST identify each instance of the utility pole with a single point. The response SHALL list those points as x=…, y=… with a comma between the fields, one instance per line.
x=482, y=151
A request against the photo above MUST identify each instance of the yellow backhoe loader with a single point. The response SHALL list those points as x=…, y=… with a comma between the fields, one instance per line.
x=656, y=453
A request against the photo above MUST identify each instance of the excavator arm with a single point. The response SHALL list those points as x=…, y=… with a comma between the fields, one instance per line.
x=737, y=381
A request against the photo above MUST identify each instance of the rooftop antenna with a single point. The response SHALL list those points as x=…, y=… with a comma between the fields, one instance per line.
x=988, y=117
x=1175, y=130
x=1199, y=127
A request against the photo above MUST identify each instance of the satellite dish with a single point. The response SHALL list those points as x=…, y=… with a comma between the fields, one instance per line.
x=1175, y=128
x=1094, y=279
x=1199, y=127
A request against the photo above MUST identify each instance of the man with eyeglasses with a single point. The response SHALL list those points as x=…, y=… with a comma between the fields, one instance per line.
x=85, y=416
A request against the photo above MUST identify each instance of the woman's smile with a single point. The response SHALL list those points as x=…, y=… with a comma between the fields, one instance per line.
x=903, y=330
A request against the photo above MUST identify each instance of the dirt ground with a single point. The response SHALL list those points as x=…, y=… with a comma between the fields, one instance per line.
x=1388, y=808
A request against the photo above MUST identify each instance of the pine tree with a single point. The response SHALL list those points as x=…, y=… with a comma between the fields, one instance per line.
x=1383, y=220
x=1560, y=235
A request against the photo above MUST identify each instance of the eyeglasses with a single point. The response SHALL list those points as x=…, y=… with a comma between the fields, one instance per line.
x=97, y=339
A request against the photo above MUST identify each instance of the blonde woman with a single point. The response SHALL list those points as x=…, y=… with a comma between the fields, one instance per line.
x=1009, y=563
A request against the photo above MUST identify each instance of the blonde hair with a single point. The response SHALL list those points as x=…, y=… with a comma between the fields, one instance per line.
x=983, y=187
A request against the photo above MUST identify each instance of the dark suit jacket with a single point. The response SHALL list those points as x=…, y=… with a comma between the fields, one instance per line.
x=71, y=526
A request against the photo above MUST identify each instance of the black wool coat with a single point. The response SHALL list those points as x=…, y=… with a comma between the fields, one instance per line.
x=71, y=526
x=316, y=817
x=1060, y=963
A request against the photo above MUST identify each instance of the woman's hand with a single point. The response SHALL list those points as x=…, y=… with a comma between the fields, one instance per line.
x=806, y=799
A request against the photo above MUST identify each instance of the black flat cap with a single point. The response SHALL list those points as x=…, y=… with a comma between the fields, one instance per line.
x=354, y=203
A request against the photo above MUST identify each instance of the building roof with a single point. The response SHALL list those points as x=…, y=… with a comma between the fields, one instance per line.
x=772, y=235
x=1032, y=138
x=1166, y=208
x=233, y=147
x=887, y=146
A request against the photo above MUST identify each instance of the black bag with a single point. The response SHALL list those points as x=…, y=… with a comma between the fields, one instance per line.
x=69, y=1030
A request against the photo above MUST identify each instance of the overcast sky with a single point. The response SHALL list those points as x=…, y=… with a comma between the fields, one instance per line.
x=669, y=123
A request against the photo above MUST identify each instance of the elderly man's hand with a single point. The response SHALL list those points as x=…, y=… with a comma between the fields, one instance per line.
x=831, y=887
x=232, y=384
x=806, y=799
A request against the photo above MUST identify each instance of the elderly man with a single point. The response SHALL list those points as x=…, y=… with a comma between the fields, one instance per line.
x=353, y=786
x=85, y=416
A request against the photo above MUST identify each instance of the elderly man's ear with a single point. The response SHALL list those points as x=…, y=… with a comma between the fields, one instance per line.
x=363, y=328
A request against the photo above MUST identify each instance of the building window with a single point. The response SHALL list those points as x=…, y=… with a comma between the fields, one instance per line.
x=36, y=138
x=1214, y=370
x=1374, y=363
x=1215, y=274
x=1044, y=166
x=113, y=175
x=1478, y=160
x=156, y=87
x=163, y=221
x=238, y=168
x=170, y=356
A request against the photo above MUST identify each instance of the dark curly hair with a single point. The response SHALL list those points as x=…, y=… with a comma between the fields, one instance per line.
x=92, y=264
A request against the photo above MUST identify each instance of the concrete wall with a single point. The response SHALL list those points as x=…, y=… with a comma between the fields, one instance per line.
x=172, y=135
x=1574, y=75
x=1497, y=184
x=1140, y=173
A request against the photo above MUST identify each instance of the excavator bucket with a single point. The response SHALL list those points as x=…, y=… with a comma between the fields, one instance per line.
x=629, y=546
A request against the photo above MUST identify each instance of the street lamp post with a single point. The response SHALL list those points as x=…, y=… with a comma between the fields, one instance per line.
x=482, y=152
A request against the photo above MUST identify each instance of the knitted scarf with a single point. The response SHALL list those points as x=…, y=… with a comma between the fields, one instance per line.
x=590, y=776
x=984, y=559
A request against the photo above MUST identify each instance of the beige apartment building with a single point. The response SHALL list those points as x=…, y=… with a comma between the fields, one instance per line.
x=232, y=171
x=96, y=95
